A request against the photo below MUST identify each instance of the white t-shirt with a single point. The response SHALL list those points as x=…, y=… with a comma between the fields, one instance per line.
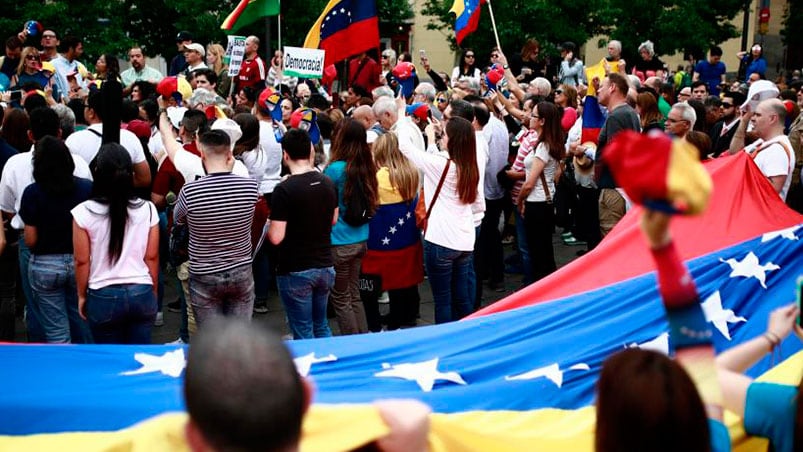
x=18, y=174
x=191, y=166
x=264, y=163
x=498, y=145
x=87, y=143
x=130, y=268
x=773, y=160
x=450, y=224
x=550, y=166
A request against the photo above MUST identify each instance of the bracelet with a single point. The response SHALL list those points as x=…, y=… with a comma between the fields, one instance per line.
x=773, y=339
x=162, y=110
x=505, y=66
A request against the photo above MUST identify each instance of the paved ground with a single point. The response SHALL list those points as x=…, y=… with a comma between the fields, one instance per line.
x=275, y=318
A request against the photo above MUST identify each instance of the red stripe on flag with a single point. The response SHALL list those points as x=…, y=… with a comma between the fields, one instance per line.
x=398, y=269
x=357, y=38
x=473, y=21
x=232, y=19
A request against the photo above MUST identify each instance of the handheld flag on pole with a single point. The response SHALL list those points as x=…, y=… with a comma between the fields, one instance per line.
x=345, y=28
x=248, y=12
x=467, y=17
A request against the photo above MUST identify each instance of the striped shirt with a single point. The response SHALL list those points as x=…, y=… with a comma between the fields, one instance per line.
x=219, y=210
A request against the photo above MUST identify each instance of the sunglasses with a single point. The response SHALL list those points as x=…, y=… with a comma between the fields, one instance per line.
x=726, y=105
x=441, y=100
x=31, y=57
x=558, y=91
x=470, y=56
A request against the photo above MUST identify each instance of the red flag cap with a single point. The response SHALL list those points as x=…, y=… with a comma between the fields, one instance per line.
x=176, y=87
x=419, y=110
x=329, y=75
x=658, y=172
x=403, y=70
x=495, y=75
x=139, y=128
x=306, y=119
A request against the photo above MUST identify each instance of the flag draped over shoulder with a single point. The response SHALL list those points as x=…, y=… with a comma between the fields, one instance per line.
x=248, y=12
x=345, y=28
x=467, y=16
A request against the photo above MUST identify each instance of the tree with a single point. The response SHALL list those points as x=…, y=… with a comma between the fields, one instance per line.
x=113, y=26
x=672, y=25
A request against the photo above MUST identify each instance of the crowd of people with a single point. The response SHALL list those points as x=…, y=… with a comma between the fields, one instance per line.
x=240, y=183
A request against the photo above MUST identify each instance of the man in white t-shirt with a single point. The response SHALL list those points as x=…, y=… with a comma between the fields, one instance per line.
x=17, y=175
x=774, y=157
x=86, y=143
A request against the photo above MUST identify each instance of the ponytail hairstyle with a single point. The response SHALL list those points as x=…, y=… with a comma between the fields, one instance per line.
x=350, y=146
x=53, y=166
x=462, y=148
x=403, y=174
x=114, y=187
x=551, y=133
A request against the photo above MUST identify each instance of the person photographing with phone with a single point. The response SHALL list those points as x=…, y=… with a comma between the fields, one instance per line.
x=276, y=75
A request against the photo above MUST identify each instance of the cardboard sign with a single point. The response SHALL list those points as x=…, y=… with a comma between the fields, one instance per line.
x=305, y=63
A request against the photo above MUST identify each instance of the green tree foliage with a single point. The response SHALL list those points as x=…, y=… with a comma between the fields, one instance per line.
x=674, y=25
x=113, y=26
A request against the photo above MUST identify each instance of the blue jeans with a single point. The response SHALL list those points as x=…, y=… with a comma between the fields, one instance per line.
x=121, y=313
x=33, y=321
x=52, y=279
x=304, y=295
x=524, y=249
x=448, y=271
x=229, y=293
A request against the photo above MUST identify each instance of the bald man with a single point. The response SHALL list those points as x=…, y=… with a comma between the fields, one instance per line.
x=775, y=157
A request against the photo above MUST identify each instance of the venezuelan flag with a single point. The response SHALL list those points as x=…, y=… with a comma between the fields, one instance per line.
x=345, y=28
x=249, y=11
x=394, y=241
x=467, y=16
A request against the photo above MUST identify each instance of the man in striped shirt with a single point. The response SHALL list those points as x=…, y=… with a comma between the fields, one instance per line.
x=219, y=210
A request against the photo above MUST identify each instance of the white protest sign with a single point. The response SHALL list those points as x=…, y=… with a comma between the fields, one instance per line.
x=235, y=52
x=301, y=62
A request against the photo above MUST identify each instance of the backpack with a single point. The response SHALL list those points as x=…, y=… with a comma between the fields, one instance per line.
x=358, y=211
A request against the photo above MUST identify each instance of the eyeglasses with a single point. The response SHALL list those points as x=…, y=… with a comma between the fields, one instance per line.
x=673, y=121
x=726, y=105
x=32, y=57
x=558, y=91
x=470, y=55
x=385, y=56
x=441, y=100
x=48, y=36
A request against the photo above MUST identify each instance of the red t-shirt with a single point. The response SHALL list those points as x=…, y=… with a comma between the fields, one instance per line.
x=369, y=75
x=252, y=72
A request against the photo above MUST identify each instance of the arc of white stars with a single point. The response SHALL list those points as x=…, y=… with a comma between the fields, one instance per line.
x=788, y=233
x=424, y=373
x=551, y=372
x=304, y=363
x=718, y=316
x=660, y=344
x=171, y=363
x=392, y=229
x=750, y=267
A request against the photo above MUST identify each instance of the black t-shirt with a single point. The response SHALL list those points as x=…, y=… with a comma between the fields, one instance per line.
x=653, y=65
x=307, y=203
x=51, y=216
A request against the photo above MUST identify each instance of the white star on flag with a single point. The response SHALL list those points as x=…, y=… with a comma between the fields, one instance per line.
x=386, y=241
x=170, y=364
x=408, y=215
x=424, y=373
x=342, y=10
x=401, y=222
x=788, y=233
x=660, y=344
x=750, y=267
x=304, y=363
x=392, y=229
x=718, y=316
x=552, y=372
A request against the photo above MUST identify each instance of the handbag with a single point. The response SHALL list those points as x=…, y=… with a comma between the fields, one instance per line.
x=422, y=220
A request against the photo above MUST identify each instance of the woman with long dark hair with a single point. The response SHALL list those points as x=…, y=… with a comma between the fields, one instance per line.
x=116, y=247
x=15, y=129
x=351, y=167
x=467, y=68
x=449, y=234
x=535, y=198
x=45, y=209
x=648, y=113
x=107, y=67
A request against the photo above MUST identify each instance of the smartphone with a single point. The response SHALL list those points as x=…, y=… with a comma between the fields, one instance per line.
x=799, y=290
x=422, y=53
x=15, y=95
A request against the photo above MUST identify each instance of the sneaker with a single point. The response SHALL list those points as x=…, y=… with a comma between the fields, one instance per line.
x=507, y=240
x=174, y=306
x=384, y=299
x=261, y=307
x=566, y=235
x=178, y=341
x=572, y=241
x=160, y=319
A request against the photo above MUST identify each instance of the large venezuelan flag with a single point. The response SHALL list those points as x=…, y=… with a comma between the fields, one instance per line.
x=517, y=377
x=467, y=17
x=345, y=28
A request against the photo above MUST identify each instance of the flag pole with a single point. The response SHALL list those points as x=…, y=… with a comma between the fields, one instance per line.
x=493, y=22
x=279, y=18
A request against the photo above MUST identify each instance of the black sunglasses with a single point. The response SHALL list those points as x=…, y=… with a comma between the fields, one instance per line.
x=558, y=91
x=726, y=105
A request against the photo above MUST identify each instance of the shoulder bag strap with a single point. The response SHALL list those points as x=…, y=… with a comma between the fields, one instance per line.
x=438, y=190
x=363, y=62
x=546, y=188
